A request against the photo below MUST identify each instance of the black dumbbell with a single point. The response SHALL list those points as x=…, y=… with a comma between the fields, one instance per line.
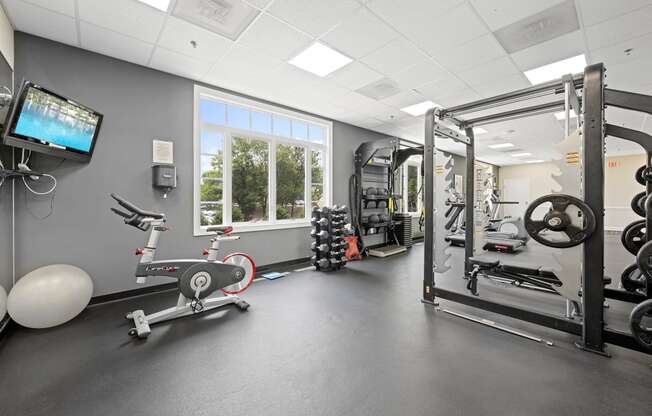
x=323, y=263
x=371, y=204
x=371, y=191
x=374, y=218
x=322, y=248
x=382, y=204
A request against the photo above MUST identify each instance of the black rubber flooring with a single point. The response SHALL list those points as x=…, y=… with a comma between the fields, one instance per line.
x=355, y=342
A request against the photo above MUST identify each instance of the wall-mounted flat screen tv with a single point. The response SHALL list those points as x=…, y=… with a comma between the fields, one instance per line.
x=46, y=122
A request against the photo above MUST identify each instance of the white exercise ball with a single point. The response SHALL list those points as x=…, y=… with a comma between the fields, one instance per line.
x=3, y=302
x=49, y=296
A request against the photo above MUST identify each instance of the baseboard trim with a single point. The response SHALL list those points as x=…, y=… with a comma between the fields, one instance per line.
x=112, y=297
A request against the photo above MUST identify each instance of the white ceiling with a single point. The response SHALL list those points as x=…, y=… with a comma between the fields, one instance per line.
x=439, y=50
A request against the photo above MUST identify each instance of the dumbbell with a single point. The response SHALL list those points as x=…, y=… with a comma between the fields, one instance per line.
x=323, y=234
x=334, y=253
x=323, y=263
x=374, y=219
x=322, y=221
x=365, y=219
x=383, y=217
x=322, y=248
x=371, y=191
x=381, y=204
x=339, y=210
x=325, y=210
x=382, y=191
x=371, y=204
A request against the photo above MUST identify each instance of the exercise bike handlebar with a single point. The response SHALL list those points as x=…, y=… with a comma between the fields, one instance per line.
x=134, y=209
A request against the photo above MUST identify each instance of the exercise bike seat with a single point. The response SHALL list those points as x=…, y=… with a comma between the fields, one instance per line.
x=220, y=229
x=484, y=264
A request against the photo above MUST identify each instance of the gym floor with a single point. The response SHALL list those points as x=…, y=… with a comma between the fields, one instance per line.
x=354, y=342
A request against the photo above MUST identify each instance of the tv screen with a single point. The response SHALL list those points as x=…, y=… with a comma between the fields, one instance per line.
x=44, y=121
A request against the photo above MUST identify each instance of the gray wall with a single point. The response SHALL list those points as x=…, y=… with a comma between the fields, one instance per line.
x=6, y=75
x=139, y=104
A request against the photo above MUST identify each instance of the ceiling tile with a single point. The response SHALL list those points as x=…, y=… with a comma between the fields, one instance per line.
x=261, y=4
x=177, y=35
x=619, y=29
x=553, y=50
x=413, y=18
x=114, y=44
x=66, y=7
x=616, y=54
x=475, y=52
x=395, y=57
x=419, y=74
x=450, y=29
x=464, y=96
x=28, y=18
x=499, y=68
x=629, y=75
x=125, y=16
x=596, y=11
x=404, y=99
x=360, y=34
x=502, y=85
x=500, y=13
x=274, y=37
x=442, y=88
x=179, y=64
x=313, y=16
x=242, y=66
x=354, y=76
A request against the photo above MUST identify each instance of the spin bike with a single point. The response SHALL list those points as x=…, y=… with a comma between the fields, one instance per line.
x=197, y=279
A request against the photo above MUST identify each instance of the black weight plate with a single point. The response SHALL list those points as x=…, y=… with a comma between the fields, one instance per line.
x=641, y=330
x=560, y=202
x=633, y=236
x=638, y=204
x=644, y=259
x=640, y=177
x=632, y=279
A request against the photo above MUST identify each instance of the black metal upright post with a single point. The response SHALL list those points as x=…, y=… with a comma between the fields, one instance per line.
x=593, y=187
x=429, y=206
x=469, y=213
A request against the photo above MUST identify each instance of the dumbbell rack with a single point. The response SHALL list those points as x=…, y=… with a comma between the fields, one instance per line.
x=329, y=245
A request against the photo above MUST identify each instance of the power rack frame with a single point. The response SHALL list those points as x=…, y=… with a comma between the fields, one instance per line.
x=595, y=98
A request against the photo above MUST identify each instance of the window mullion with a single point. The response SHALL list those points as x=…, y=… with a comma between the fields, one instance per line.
x=307, y=194
x=272, y=181
x=227, y=184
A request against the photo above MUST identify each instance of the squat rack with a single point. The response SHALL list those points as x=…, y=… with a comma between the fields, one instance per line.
x=592, y=329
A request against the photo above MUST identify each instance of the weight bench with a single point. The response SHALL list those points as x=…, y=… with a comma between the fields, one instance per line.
x=518, y=273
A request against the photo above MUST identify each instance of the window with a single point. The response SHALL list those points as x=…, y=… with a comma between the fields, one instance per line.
x=257, y=166
x=412, y=185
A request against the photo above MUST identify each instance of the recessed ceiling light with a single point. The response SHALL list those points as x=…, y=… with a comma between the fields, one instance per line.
x=320, y=60
x=419, y=109
x=561, y=115
x=501, y=145
x=479, y=130
x=556, y=70
x=535, y=161
x=523, y=154
x=162, y=5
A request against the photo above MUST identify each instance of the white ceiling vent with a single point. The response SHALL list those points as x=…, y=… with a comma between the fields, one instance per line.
x=225, y=17
x=380, y=89
x=543, y=26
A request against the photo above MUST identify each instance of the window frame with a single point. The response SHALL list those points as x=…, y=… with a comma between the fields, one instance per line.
x=417, y=164
x=273, y=141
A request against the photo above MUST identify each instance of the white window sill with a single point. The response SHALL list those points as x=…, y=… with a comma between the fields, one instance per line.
x=247, y=228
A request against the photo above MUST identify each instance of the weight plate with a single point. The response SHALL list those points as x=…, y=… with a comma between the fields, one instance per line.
x=644, y=259
x=558, y=221
x=640, y=175
x=640, y=322
x=633, y=236
x=632, y=279
x=638, y=204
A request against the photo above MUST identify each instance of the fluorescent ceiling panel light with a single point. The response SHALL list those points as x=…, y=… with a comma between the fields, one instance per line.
x=523, y=154
x=556, y=70
x=162, y=5
x=501, y=145
x=419, y=109
x=535, y=161
x=561, y=115
x=479, y=130
x=228, y=18
x=320, y=60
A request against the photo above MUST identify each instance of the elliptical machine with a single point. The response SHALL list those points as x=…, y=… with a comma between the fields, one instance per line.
x=197, y=279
